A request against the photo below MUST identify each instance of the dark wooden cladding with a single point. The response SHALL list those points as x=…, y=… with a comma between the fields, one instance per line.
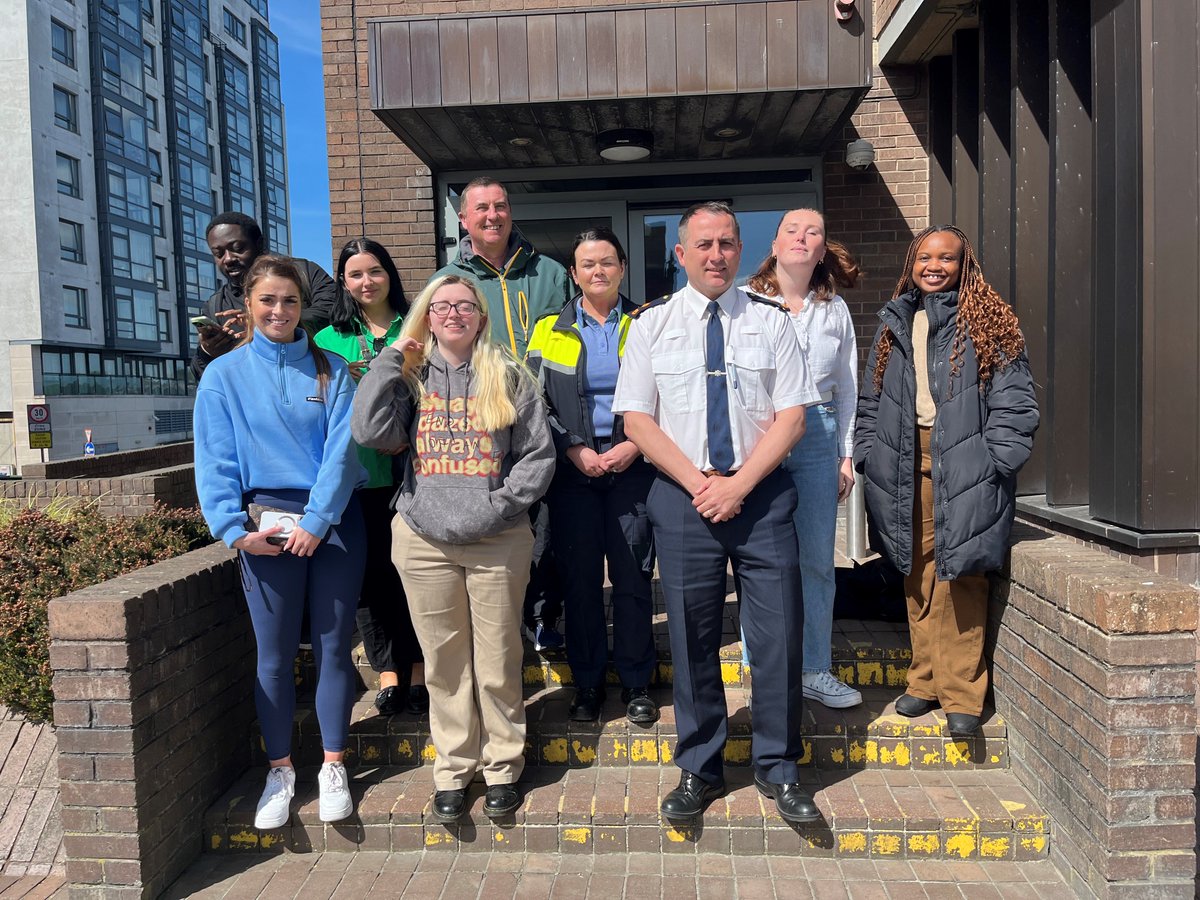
x=941, y=140
x=966, y=133
x=711, y=48
x=995, y=146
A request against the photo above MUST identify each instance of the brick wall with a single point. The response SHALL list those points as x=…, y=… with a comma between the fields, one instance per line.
x=884, y=10
x=1095, y=673
x=110, y=465
x=131, y=495
x=153, y=686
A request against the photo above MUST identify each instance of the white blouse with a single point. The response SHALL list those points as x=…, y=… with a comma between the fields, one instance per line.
x=826, y=334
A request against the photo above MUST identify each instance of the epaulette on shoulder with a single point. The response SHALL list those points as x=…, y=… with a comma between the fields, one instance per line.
x=650, y=304
x=767, y=301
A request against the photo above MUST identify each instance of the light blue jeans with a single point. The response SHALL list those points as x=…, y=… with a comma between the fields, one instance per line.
x=813, y=467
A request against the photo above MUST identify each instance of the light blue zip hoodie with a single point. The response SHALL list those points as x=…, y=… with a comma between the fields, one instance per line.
x=261, y=424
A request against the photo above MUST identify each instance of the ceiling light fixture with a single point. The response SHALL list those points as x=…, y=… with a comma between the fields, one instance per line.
x=520, y=142
x=624, y=144
x=727, y=133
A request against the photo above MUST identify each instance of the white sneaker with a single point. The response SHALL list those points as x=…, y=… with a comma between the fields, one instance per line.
x=274, y=804
x=827, y=690
x=336, y=803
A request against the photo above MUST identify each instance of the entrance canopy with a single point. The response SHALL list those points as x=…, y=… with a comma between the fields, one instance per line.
x=688, y=82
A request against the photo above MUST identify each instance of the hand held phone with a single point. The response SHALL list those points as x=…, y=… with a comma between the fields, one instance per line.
x=204, y=322
x=287, y=522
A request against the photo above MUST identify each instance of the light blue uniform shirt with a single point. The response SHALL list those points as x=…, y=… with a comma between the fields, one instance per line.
x=600, y=342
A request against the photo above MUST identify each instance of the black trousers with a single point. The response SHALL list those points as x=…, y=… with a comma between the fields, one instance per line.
x=591, y=520
x=692, y=556
x=383, y=617
x=543, y=595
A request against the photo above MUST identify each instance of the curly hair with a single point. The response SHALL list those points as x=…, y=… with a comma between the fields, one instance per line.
x=837, y=269
x=983, y=316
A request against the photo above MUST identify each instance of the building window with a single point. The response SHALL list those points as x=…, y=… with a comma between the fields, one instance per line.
x=75, y=312
x=66, y=109
x=68, y=176
x=156, y=166
x=156, y=218
x=70, y=241
x=62, y=43
x=148, y=58
x=152, y=113
x=137, y=313
x=164, y=325
x=235, y=28
x=160, y=272
x=148, y=10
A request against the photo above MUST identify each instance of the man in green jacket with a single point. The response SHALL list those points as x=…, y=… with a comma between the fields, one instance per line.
x=521, y=285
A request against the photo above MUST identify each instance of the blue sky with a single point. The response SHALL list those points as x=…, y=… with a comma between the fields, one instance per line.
x=297, y=24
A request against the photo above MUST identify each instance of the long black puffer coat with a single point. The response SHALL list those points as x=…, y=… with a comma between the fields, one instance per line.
x=979, y=442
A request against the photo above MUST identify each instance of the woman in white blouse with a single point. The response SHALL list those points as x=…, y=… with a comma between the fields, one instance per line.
x=804, y=272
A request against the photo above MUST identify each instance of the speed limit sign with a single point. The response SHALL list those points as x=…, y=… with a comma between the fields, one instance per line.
x=39, y=426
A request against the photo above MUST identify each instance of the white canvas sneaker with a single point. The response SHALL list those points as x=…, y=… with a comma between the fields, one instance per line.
x=827, y=690
x=336, y=802
x=275, y=802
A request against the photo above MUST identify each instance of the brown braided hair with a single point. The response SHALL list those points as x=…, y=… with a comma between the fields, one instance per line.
x=837, y=269
x=982, y=315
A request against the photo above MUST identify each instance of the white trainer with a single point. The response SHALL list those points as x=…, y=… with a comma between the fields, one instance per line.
x=336, y=802
x=274, y=804
x=827, y=690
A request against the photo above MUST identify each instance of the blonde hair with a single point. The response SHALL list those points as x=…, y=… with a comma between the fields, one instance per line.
x=266, y=266
x=497, y=373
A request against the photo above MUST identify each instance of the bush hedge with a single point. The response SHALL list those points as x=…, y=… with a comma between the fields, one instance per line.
x=48, y=554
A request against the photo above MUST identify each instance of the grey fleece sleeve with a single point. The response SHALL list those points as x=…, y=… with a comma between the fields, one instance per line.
x=532, y=449
x=383, y=405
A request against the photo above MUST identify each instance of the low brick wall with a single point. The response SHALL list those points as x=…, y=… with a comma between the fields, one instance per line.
x=111, y=465
x=130, y=495
x=153, y=686
x=1095, y=673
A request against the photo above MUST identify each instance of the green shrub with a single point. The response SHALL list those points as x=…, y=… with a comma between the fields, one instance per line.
x=45, y=555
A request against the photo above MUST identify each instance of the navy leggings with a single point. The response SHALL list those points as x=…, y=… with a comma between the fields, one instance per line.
x=276, y=589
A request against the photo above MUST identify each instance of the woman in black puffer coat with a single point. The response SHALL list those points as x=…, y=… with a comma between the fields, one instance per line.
x=946, y=417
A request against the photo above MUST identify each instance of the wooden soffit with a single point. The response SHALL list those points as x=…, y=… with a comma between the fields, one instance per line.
x=915, y=31
x=460, y=90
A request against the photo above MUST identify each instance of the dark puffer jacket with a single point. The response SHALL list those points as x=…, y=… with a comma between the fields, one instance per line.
x=979, y=442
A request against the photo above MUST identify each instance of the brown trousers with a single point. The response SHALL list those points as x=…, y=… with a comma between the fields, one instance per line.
x=946, y=619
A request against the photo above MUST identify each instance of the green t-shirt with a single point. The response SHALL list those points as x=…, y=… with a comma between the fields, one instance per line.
x=351, y=347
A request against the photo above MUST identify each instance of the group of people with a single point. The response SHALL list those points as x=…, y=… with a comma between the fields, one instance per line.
x=445, y=471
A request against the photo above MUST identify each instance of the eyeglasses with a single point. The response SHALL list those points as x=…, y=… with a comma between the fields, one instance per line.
x=465, y=308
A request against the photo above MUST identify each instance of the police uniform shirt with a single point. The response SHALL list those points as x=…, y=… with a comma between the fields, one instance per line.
x=663, y=373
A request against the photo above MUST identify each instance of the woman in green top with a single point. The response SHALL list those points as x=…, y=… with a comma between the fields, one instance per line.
x=366, y=318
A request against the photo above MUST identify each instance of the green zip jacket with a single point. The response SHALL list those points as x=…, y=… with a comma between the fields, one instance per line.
x=350, y=347
x=528, y=287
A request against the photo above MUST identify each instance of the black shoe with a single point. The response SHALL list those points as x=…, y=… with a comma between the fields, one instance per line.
x=640, y=708
x=963, y=724
x=586, y=705
x=418, y=700
x=792, y=801
x=688, y=801
x=449, y=806
x=911, y=706
x=387, y=701
x=501, y=800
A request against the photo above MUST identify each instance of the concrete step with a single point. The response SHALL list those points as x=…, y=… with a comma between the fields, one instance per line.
x=979, y=815
x=871, y=736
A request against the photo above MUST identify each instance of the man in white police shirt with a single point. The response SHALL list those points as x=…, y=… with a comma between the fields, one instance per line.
x=713, y=387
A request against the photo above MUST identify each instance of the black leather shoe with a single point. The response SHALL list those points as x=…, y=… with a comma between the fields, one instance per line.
x=640, y=708
x=388, y=701
x=418, y=700
x=449, y=806
x=911, y=706
x=963, y=724
x=586, y=705
x=792, y=801
x=501, y=800
x=688, y=801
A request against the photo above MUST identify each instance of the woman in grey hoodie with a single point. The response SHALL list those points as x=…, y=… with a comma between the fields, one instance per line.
x=479, y=453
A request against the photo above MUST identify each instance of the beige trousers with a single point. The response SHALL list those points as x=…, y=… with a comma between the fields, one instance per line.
x=946, y=619
x=466, y=601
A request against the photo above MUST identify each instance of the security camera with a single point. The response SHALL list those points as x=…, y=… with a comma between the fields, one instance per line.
x=860, y=154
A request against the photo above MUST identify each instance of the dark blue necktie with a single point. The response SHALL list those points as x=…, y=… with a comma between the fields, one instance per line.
x=720, y=437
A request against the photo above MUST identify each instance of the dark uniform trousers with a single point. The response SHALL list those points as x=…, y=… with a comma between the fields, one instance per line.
x=760, y=541
x=593, y=519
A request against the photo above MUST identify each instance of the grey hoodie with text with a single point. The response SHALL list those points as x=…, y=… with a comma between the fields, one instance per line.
x=458, y=483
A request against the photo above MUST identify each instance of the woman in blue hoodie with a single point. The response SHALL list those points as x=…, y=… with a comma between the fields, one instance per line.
x=273, y=430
